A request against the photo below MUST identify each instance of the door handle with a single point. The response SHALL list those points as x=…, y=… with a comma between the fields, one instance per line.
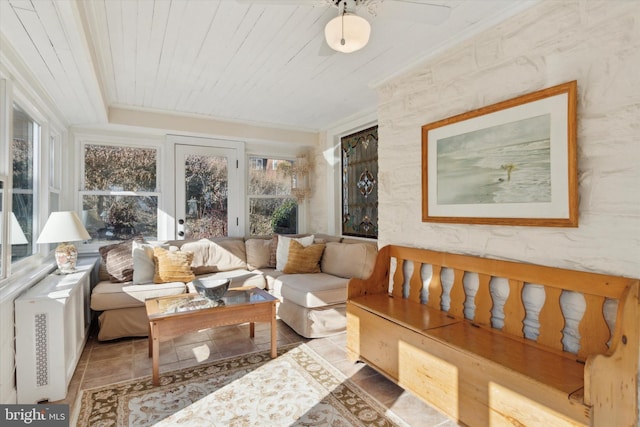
x=181, y=226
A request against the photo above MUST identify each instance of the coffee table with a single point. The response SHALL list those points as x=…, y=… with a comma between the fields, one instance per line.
x=177, y=315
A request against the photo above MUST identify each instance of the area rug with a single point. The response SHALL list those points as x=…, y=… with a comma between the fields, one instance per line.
x=298, y=387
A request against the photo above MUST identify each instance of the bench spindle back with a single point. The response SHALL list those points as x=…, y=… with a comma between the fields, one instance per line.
x=592, y=328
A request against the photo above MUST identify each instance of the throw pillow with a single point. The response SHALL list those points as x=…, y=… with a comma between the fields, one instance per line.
x=118, y=261
x=349, y=260
x=258, y=253
x=172, y=266
x=282, y=253
x=222, y=255
x=144, y=266
x=304, y=259
x=273, y=251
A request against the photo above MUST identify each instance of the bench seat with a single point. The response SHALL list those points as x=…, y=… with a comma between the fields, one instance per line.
x=485, y=370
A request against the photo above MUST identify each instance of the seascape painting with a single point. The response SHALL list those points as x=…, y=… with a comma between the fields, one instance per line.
x=507, y=163
x=510, y=163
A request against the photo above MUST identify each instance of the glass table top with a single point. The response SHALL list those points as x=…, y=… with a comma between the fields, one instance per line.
x=188, y=303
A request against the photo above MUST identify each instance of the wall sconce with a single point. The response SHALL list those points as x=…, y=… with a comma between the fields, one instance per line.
x=300, y=170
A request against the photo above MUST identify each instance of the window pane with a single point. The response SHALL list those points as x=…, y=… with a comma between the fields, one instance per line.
x=269, y=177
x=111, y=168
x=25, y=137
x=206, y=195
x=120, y=217
x=273, y=215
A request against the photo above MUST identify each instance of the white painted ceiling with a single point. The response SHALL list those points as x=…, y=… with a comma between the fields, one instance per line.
x=259, y=61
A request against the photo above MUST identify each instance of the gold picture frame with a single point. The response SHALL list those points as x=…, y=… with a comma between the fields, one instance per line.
x=510, y=163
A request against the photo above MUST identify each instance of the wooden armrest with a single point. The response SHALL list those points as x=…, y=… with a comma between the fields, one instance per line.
x=378, y=282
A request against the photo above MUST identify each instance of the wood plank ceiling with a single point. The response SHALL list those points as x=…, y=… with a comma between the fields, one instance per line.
x=261, y=62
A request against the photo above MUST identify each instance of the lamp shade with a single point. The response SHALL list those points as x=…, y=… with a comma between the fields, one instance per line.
x=63, y=227
x=16, y=235
x=347, y=33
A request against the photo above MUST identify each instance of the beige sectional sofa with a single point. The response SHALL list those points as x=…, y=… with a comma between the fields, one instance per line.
x=312, y=303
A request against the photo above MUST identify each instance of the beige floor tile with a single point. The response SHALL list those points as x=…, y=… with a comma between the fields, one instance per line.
x=120, y=367
x=415, y=412
x=197, y=350
x=379, y=387
x=111, y=351
x=193, y=337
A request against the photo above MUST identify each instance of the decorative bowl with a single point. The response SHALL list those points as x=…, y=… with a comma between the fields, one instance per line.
x=213, y=289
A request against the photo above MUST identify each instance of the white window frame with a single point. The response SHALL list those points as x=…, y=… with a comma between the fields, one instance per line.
x=81, y=141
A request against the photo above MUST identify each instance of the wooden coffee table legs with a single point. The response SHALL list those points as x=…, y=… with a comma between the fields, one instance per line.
x=154, y=346
x=154, y=352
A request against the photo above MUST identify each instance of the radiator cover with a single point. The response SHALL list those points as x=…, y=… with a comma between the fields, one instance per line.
x=52, y=322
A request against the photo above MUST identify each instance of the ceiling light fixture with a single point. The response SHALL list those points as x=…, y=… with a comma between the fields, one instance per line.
x=347, y=32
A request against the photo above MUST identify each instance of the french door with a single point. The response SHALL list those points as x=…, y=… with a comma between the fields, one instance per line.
x=207, y=192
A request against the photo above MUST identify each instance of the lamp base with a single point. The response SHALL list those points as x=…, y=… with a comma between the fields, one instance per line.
x=66, y=257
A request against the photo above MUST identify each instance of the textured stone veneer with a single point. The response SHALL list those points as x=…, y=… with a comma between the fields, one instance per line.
x=596, y=43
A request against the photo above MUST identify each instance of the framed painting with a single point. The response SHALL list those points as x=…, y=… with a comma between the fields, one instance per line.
x=511, y=163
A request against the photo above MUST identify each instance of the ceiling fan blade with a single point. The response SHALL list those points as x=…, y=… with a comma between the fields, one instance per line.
x=412, y=11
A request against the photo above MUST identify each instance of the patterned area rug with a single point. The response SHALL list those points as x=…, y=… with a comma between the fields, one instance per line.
x=297, y=388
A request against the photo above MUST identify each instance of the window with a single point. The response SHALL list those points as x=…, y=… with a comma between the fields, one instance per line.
x=257, y=164
x=272, y=209
x=119, y=196
x=24, y=150
x=360, y=183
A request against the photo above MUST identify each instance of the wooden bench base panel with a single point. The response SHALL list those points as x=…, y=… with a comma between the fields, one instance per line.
x=468, y=388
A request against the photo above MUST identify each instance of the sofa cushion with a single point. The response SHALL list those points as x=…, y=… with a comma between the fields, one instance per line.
x=172, y=266
x=271, y=275
x=349, y=259
x=303, y=259
x=314, y=322
x=313, y=290
x=111, y=296
x=237, y=277
x=282, y=253
x=211, y=257
x=118, y=261
x=258, y=253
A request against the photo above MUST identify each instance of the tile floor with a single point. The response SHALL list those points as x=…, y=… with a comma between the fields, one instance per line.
x=125, y=359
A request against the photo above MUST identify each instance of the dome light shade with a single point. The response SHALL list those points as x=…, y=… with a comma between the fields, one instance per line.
x=347, y=33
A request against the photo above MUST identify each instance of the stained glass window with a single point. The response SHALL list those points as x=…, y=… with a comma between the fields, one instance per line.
x=360, y=183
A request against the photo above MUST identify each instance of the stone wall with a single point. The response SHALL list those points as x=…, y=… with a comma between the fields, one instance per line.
x=596, y=43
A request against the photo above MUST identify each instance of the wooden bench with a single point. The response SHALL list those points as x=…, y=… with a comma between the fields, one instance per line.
x=482, y=371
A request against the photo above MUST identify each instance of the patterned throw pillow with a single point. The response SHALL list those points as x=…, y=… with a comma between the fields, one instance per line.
x=172, y=266
x=303, y=259
x=117, y=261
x=273, y=251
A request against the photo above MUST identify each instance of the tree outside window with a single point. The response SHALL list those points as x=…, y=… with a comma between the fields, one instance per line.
x=120, y=198
x=272, y=209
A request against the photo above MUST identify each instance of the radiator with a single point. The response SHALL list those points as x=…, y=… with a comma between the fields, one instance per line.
x=52, y=322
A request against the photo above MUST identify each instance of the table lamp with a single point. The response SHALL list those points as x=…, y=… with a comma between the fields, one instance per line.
x=64, y=227
x=16, y=235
